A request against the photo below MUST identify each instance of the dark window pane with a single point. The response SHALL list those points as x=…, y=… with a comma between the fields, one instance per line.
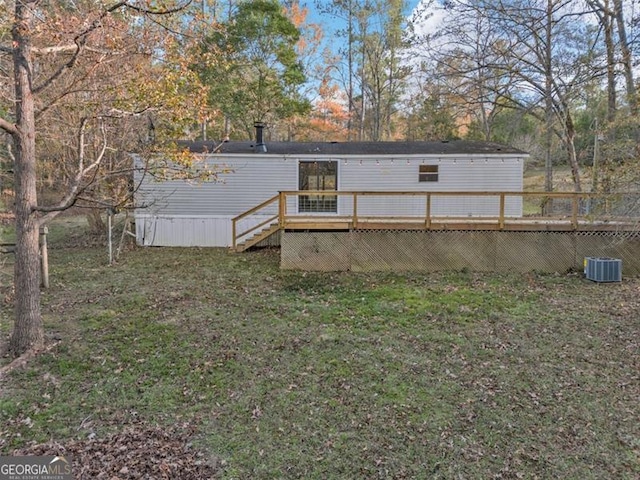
x=428, y=173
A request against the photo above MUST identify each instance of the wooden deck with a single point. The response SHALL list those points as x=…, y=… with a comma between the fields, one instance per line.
x=521, y=224
x=574, y=216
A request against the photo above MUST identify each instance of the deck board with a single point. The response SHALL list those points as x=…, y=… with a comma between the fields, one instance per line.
x=524, y=224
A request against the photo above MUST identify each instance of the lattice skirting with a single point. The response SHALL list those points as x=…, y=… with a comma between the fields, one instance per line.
x=375, y=250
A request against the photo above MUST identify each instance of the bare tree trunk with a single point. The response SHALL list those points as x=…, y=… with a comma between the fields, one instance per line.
x=95, y=221
x=363, y=80
x=28, y=332
x=627, y=60
x=605, y=14
x=570, y=136
x=350, y=66
x=607, y=21
x=32, y=19
x=548, y=100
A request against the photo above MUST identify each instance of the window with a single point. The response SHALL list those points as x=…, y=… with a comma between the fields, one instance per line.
x=428, y=173
x=320, y=175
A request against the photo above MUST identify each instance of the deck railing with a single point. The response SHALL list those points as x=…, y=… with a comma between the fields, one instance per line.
x=262, y=211
x=572, y=207
x=428, y=210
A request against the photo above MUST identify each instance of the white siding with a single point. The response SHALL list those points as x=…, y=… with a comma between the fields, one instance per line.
x=181, y=213
x=455, y=174
x=459, y=174
x=191, y=213
x=250, y=182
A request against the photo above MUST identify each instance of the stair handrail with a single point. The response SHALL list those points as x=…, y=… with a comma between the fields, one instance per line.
x=234, y=221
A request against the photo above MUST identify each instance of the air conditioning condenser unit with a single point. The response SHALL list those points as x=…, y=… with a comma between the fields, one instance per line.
x=602, y=269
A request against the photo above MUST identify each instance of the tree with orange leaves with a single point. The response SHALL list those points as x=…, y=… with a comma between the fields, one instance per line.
x=328, y=120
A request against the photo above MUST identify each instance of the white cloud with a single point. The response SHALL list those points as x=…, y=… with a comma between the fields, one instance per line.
x=427, y=17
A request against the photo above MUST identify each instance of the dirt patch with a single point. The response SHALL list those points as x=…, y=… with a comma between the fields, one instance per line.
x=138, y=451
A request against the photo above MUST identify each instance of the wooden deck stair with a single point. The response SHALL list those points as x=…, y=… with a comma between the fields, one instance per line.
x=257, y=238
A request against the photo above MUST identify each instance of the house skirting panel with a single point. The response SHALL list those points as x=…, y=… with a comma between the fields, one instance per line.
x=189, y=231
x=183, y=231
x=368, y=250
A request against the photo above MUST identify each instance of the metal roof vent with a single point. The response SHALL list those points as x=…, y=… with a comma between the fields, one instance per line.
x=603, y=269
x=260, y=146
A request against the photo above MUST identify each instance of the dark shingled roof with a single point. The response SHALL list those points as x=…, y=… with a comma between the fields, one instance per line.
x=354, y=148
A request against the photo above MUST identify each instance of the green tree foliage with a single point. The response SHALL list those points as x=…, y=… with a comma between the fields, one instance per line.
x=383, y=71
x=256, y=73
x=430, y=117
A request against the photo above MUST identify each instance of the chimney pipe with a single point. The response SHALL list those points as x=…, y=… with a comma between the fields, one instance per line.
x=260, y=145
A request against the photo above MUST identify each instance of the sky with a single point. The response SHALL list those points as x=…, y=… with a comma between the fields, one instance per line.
x=331, y=24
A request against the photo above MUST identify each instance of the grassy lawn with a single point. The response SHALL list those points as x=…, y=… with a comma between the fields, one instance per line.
x=336, y=376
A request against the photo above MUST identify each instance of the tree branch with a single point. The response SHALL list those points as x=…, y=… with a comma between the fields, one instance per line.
x=75, y=190
x=81, y=38
x=70, y=48
x=8, y=127
x=149, y=11
x=79, y=41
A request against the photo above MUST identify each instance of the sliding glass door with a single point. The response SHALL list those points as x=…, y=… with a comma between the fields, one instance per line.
x=318, y=176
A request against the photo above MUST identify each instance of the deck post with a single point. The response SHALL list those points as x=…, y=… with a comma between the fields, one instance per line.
x=574, y=211
x=427, y=221
x=501, y=219
x=234, y=239
x=282, y=208
x=355, y=209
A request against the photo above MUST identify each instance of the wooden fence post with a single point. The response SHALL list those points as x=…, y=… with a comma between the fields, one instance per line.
x=44, y=258
x=110, y=234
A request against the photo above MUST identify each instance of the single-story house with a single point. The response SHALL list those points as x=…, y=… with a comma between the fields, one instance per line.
x=191, y=213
